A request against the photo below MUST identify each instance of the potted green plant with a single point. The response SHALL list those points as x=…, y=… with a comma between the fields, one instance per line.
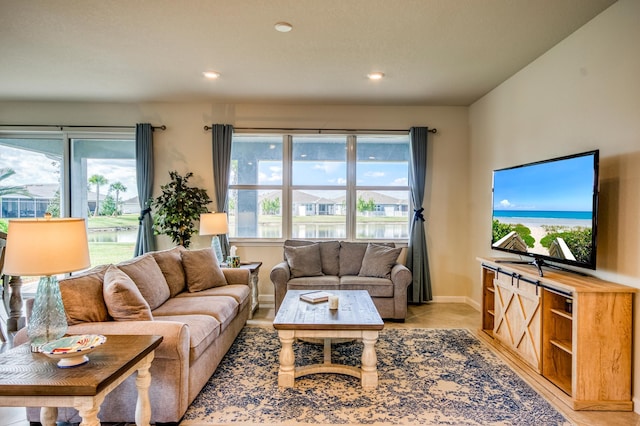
x=178, y=207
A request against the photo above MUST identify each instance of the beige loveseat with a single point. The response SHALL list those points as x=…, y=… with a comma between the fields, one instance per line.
x=342, y=265
x=182, y=295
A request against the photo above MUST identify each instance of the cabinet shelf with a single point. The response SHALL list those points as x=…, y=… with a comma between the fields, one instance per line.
x=491, y=312
x=564, y=345
x=564, y=383
x=491, y=289
x=563, y=314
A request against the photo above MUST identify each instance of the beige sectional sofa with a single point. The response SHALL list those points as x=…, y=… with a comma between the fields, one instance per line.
x=343, y=265
x=182, y=295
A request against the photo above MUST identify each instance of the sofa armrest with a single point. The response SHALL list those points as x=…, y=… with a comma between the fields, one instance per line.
x=401, y=276
x=236, y=275
x=174, y=345
x=280, y=276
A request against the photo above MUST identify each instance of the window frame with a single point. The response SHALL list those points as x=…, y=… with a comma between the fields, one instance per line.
x=351, y=187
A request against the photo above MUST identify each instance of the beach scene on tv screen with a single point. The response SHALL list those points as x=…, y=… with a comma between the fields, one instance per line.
x=545, y=209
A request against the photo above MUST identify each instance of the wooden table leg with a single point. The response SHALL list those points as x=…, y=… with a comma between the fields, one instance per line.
x=143, y=382
x=88, y=409
x=287, y=373
x=327, y=351
x=369, y=360
x=48, y=416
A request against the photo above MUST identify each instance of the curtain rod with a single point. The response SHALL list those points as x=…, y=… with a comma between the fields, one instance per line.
x=61, y=126
x=295, y=129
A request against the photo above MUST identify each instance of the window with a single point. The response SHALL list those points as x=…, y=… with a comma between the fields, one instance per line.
x=104, y=190
x=33, y=184
x=255, y=191
x=319, y=187
x=53, y=173
x=382, y=187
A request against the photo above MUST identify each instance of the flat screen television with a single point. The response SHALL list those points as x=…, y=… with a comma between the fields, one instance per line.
x=548, y=210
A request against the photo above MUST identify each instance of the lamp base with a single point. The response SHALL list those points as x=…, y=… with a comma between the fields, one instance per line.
x=48, y=319
x=217, y=249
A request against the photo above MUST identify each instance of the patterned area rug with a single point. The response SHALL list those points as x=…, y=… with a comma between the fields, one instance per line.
x=426, y=377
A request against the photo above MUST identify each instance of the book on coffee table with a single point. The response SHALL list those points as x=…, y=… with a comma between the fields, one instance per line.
x=315, y=296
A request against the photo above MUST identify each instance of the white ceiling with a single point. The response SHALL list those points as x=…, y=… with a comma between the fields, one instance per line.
x=433, y=52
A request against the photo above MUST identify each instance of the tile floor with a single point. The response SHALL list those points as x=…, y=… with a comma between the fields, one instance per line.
x=433, y=315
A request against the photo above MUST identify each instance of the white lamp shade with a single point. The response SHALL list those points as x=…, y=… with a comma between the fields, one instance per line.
x=37, y=247
x=213, y=224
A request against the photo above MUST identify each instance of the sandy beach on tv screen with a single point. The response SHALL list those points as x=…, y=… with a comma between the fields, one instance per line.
x=537, y=230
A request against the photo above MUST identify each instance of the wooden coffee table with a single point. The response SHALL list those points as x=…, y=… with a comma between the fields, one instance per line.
x=355, y=318
x=33, y=380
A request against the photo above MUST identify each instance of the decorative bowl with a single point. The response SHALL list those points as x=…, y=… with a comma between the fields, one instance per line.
x=72, y=351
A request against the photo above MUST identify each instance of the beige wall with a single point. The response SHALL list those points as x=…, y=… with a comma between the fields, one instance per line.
x=185, y=146
x=581, y=95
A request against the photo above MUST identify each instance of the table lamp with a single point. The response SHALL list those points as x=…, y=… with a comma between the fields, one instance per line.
x=214, y=224
x=46, y=247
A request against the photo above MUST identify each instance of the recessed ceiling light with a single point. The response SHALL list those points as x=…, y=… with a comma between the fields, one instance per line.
x=283, y=27
x=375, y=75
x=211, y=75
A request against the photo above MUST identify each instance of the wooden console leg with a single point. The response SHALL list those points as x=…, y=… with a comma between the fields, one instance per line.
x=369, y=360
x=287, y=373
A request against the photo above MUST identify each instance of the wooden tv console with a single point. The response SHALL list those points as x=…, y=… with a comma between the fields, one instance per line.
x=573, y=331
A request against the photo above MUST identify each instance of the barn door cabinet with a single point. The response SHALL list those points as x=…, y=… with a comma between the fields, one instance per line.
x=573, y=332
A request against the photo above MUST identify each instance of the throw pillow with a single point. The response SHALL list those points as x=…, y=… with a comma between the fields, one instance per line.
x=202, y=270
x=329, y=254
x=304, y=261
x=123, y=299
x=82, y=296
x=170, y=263
x=378, y=261
x=351, y=255
x=146, y=274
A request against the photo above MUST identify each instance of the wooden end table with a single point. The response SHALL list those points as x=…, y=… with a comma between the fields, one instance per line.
x=34, y=380
x=355, y=318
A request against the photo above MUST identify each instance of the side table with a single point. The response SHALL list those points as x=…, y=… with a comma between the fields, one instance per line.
x=33, y=380
x=254, y=270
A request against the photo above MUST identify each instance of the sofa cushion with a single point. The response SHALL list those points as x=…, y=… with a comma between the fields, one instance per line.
x=203, y=330
x=378, y=261
x=222, y=308
x=82, y=297
x=202, y=270
x=329, y=254
x=377, y=287
x=123, y=298
x=304, y=261
x=240, y=292
x=325, y=282
x=170, y=263
x=146, y=274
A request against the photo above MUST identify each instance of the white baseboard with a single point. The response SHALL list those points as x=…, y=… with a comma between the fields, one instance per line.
x=457, y=299
x=268, y=301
